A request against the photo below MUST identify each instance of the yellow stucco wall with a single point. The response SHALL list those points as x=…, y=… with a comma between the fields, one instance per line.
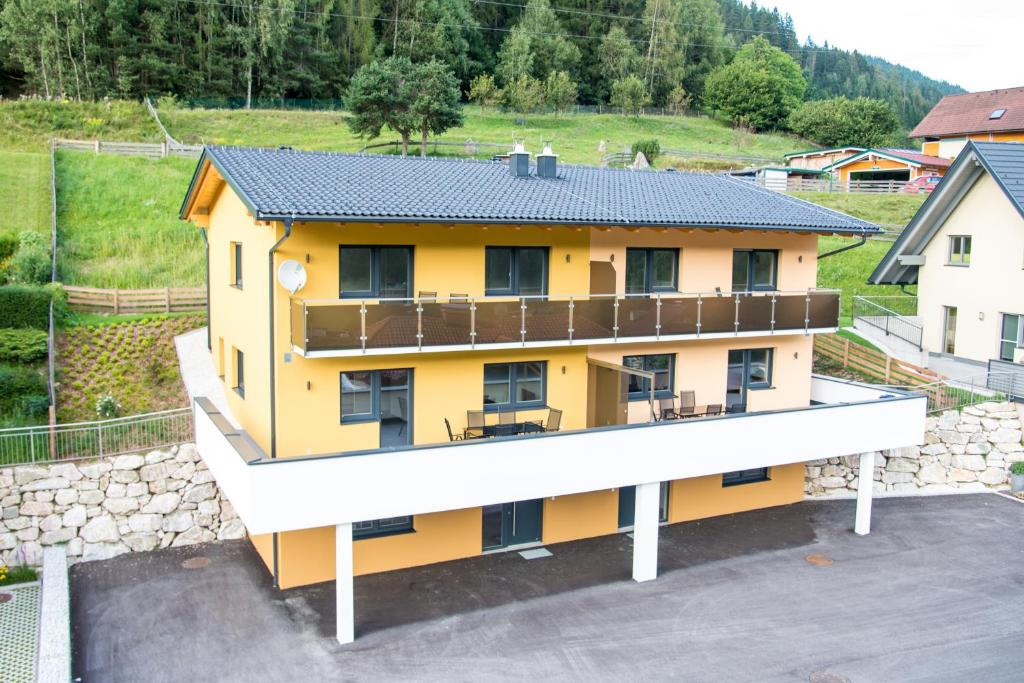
x=990, y=286
x=583, y=515
x=949, y=147
x=702, y=497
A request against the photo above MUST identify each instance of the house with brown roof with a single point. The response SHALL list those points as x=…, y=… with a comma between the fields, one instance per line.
x=991, y=116
x=886, y=164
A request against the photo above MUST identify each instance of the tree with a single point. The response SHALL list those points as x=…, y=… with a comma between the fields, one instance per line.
x=759, y=88
x=617, y=57
x=381, y=94
x=437, y=29
x=840, y=121
x=484, y=91
x=560, y=91
x=630, y=94
x=536, y=47
x=678, y=100
x=437, y=106
x=524, y=95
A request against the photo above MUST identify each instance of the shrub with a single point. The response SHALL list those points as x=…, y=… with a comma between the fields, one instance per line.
x=17, y=383
x=525, y=95
x=35, y=405
x=22, y=345
x=31, y=261
x=630, y=95
x=650, y=148
x=107, y=406
x=25, y=306
x=1017, y=468
x=8, y=245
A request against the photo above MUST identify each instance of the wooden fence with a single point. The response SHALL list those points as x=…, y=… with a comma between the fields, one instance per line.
x=163, y=300
x=874, y=364
x=795, y=184
x=152, y=150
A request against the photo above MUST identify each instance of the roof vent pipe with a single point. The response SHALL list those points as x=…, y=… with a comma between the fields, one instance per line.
x=519, y=161
x=547, y=163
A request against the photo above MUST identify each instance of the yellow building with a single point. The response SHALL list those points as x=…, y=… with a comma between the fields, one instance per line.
x=885, y=164
x=429, y=359
x=990, y=116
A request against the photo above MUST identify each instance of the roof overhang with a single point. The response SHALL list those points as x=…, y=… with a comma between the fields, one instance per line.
x=819, y=152
x=869, y=153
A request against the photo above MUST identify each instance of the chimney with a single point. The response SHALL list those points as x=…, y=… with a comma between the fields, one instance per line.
x=547, y=163
x=519, y=161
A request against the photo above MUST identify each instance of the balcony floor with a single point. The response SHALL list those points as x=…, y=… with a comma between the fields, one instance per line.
x=736, y=600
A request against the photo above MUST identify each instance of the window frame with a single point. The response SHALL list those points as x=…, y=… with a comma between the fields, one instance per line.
x=355, y=418
x=513, y=385
x=375, y=530
x=236, y=265
x=514, y=275
x=965, y=243
x=1018, y=343
x=750, y=287
x=753, y=475
x=658, y=393
x=649, y=252
x=375, y=271
x=239, y=377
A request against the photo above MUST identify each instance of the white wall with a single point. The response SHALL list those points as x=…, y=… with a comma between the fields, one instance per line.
x=992, y=285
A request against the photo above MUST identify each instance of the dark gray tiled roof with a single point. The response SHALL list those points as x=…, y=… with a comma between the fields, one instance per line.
x=278, y=183
x=1005, y=161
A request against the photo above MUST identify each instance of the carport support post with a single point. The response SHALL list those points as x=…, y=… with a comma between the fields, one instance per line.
x=865, y=482
x=343, y=586
x=645, y=532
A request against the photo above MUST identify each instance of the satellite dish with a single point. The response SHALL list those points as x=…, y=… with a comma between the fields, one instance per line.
x=292, y=275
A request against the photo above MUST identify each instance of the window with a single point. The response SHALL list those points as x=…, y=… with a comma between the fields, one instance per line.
x=357, y=404
x=236, y=264
x=754, y=270
x=745, y=476
x=240, y=373
x=382, y=527
x=652, y=270
x=377, y=395
x=377, y=272
x=1012, y=335
x=220, y=357
x=515, y=385
x=516, y=271
x=949, y=330
x=661, y=365
x=997, y=114
x=959, y=250
x=754, y=367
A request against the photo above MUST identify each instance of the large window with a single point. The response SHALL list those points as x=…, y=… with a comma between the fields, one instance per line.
x=375, y=272
x=516, y=271
x=745, y=476
x=371, y=395
x=652, y=270
x=515, y=385
x=382, y=527
x=1012, y=335
x=661, y=365
x=959, y=250
x=754, y=270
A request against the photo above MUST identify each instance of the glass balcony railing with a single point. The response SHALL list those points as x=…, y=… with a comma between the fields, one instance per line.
x=357, y=326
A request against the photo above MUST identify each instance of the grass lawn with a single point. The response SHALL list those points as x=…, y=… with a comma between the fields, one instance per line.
x=890, y=209
x=28, y=125
x=849, y=270
x=117, y=222
x=574, y=137
x=25, y=191
x=133, y=360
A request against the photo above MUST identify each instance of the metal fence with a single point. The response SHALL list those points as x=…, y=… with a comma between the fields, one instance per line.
x=150, y=150
x=95, y=439
x=958, y=393
x=1006, y=377
x=890, y=314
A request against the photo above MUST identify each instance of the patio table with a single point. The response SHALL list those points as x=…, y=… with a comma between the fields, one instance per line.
x=511, y=429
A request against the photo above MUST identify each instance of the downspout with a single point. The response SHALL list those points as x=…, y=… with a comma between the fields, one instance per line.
x=273, y=397
x=209, y=338
x=863, y=241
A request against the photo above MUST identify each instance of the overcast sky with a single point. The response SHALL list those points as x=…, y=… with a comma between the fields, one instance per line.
x=976, y=45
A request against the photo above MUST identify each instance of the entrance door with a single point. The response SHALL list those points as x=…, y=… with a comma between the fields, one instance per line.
x=515, y=523
x=627, y=505
x=949, y=331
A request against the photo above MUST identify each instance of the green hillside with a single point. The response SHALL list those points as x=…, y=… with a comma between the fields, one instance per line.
x=25, y=191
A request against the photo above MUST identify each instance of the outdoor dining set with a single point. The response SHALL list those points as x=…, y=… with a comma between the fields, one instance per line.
x=667, y=410
x=505, y=424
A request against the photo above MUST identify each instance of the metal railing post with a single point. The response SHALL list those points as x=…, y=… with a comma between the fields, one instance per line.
x=774, y=299
x=362, y=325
x=700, y=304
x=615, y=320
x=736, y=316
x=807, y=313
x=419, y=325
x=657, y=319
x=572, y=307
x=522, y=320
x=305, y=326
x=472, y=323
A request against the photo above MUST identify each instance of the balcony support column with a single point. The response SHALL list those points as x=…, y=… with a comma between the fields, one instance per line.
x=343, y=584
x=645, y=532
x=865, y=482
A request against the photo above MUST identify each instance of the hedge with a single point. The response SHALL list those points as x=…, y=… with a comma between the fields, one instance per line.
x=28, y=305
x=22, y=345
x=21, y=388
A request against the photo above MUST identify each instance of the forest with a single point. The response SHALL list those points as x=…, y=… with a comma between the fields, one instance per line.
x=268, y=52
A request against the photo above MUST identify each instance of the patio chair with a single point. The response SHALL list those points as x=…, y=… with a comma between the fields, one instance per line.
x=687, y=400
x=454, y=298
x=714, y=409
x=429, y=296
x=667, y=408
x=474, y=424
x=554, y=420
x=451, y=436
x=506, y=416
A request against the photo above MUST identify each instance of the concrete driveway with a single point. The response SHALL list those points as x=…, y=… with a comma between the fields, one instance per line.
x=936, y=592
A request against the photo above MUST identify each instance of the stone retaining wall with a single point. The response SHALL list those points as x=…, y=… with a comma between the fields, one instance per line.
x=963, y=451
x=102, y=508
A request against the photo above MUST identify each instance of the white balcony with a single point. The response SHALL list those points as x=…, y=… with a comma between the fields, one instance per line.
x=328, y=490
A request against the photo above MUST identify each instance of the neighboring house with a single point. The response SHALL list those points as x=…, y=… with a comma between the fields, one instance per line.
x=818, y=159
x=554, y=312
x=964, y=249
x=882, y=164
x=992, y=116
x=778, y=177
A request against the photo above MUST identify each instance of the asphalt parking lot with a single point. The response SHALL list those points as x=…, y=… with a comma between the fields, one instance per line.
x=936, y=592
